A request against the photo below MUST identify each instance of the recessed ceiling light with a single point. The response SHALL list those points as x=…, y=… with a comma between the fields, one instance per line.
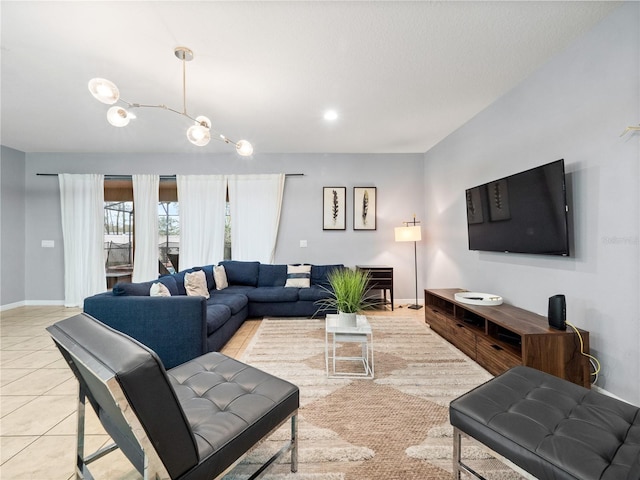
x=330, y=115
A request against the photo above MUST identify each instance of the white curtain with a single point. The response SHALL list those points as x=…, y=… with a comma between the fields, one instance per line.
x=255, y=201
x=82, y=207
x=202, y=201
x=145, y=210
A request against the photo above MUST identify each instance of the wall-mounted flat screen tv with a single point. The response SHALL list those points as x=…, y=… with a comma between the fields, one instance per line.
x=523, y=213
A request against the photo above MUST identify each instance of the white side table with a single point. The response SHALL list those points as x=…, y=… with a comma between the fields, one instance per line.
x=335, y=333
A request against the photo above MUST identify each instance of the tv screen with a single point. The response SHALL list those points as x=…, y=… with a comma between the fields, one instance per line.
x=522, y=213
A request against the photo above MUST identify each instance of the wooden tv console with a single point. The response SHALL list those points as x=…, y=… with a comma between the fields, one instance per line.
x=503, y=336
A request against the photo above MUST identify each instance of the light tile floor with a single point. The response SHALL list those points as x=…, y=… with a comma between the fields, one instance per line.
x=38, y=396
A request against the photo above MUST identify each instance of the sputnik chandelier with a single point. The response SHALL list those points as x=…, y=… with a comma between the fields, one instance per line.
x=199, y=134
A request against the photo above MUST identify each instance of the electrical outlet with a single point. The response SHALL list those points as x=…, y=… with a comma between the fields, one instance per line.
x=48, y=244
x=303, y=244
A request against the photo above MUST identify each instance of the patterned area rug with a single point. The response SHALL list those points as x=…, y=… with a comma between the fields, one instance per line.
x=392, y=427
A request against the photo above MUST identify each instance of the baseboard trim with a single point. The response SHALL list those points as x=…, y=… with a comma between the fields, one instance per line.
x=11, y=306
x=32, y=303
x=405, y=302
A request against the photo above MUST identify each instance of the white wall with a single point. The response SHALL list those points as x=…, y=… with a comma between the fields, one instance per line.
x=12, y=227
x=398, y=179
x=574, y=107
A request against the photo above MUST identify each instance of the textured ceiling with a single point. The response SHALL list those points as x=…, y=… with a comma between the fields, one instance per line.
x=401, y=75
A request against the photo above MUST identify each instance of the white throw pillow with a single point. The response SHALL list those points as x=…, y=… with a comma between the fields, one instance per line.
x=159, y=290
x=220, y=276
x=195, y=283
x=298, y=276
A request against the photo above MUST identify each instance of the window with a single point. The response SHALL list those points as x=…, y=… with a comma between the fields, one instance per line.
x=119, y=228
x=169, y=234
x=118, y=236
x=227, y=229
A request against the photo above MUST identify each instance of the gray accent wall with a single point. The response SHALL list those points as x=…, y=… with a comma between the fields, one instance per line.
x=12, y=227
x=575, y=107
x=398, y=179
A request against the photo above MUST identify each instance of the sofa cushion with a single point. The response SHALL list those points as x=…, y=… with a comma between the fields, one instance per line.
x=195, y=283
x=236, y=302
x=220, y=277
x=241, y=273
x=208, y=273
x=235, y=289
x=320, y=274
x=159, y=290
x=140, y=289
x=272, y=275
x=313, y=294
x=170, y=282
x=217, y=315
x=179, y=278
x=298, y=276
x=273, y=294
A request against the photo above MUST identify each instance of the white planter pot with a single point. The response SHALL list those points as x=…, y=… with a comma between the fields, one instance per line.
x=347, y=319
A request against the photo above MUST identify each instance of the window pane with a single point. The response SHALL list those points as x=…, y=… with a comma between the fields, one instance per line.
x=169, y=234
x=227, y=232
x=118, y=237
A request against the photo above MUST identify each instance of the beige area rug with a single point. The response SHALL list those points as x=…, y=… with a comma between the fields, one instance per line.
x=392, y=427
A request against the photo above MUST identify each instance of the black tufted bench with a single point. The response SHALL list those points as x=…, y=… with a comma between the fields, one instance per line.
x=194, y=421
x=549, y=427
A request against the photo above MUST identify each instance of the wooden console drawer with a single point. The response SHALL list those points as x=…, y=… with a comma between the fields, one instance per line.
x=495, y=357
x=439, y=323
x=465, y=339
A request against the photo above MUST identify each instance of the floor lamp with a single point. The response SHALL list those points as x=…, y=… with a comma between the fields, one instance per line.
x=411, y=232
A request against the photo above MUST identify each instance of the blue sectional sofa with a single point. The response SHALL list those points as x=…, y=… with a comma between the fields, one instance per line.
x=205, y=325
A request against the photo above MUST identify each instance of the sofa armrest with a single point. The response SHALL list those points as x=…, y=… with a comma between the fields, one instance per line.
x=174, y=327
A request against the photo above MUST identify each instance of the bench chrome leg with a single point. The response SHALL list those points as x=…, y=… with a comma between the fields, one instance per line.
x=294, y=443
x=458, y=465
x=290, y=446
x=457, y=440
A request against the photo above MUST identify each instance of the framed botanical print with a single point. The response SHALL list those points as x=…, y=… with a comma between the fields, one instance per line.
x=334, y=208
x=364, y=208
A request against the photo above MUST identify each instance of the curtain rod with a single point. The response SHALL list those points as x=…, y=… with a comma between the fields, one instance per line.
x=162, y=177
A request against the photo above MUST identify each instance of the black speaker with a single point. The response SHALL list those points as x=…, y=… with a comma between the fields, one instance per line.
x=557, y=312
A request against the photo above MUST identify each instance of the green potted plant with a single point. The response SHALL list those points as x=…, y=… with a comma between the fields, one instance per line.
x=349, y=294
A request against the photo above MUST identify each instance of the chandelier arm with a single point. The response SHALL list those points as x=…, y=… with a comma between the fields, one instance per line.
x=162, y=106
x=225, y=139
x=217, y=135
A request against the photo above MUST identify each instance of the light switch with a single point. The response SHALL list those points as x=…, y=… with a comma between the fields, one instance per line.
x=303, y=244
x=48, y=244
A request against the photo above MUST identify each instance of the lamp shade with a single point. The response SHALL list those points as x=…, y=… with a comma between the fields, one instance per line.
x=118, y=116
x=198, y=135
x=408, y=234
x=244, y=148
x=104, y=90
